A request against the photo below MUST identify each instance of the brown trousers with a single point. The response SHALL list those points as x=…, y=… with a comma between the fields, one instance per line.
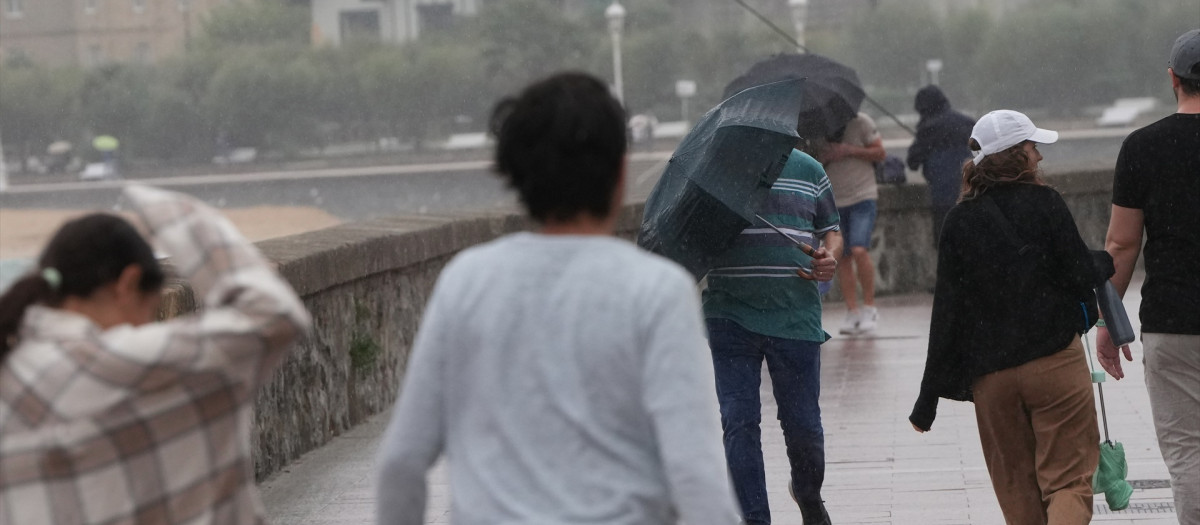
x=1040, y=440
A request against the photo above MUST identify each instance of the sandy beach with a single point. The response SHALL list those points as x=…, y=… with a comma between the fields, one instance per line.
x=24, y=232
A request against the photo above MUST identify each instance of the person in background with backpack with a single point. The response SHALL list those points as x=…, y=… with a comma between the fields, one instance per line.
x=1014, y=292
x=939, y=150
x=850, y=165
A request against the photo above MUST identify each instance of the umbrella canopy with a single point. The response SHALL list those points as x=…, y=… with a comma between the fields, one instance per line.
x=721, y=173
x=58, y=147
x=106, y=143
x=1110, y=476
x=831, y=97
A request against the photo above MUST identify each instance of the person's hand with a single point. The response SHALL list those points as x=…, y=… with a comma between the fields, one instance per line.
x=824, y=265
x=918, y=429
x=1108, y=355
x=835, y=152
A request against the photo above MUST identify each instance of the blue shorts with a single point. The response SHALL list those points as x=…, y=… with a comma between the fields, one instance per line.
x=857, y=223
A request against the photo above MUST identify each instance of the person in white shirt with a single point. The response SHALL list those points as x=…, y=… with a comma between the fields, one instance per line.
x=564, y=372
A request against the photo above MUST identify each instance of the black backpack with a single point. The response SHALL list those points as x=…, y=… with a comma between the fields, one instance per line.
x=890, y=171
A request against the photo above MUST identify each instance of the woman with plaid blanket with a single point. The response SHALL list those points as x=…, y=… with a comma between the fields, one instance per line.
x=109, y=417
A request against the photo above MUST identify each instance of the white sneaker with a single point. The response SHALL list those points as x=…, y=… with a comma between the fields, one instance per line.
x=851, y=325
x=868, y=320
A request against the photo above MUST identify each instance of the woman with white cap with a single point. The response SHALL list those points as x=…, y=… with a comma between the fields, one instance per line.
x=1014, y=292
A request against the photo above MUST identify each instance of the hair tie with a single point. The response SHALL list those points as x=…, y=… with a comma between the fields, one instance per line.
x=53, y=278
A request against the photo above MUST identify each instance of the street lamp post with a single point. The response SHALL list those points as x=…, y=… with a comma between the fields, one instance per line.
x=685, y=89
x=616, y=23
x=799, y=18
x=3, y=170
x=185, y=9
x=934, y=66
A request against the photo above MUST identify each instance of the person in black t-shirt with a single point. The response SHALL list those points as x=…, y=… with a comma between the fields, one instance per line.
x=1156, y=189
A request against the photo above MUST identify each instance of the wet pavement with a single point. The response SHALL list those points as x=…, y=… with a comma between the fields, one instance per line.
x=878, y=469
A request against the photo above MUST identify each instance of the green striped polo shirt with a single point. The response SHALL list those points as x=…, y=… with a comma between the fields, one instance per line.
x=754, y=283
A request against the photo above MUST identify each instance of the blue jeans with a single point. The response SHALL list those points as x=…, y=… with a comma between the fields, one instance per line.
x=795, y=368
x=857, y=222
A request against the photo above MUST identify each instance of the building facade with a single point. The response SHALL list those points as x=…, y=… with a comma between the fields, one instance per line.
x=91, y=32
x=396, y=21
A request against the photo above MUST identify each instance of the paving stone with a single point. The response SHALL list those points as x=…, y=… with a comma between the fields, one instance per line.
x=878, y=469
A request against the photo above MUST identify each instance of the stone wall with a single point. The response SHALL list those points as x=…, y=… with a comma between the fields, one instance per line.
x=366, y=284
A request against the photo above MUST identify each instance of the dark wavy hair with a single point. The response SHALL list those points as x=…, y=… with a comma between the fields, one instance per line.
x=1004, y=167
x=89, y=253
x=561, y=144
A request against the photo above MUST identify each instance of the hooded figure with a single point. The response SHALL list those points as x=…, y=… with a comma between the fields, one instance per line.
x=940, y=149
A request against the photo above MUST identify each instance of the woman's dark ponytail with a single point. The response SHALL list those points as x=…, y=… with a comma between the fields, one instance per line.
x=23, y=293
x=84, y=255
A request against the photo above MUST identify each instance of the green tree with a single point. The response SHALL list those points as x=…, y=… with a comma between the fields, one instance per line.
x=114, y=100
x=964, y=33
x=1143, y=45
x=524, y=40
x=380, y=74
x=37, y=106
x=341, y=99
x=416, y=91
x=264, y=98
x=1061, y=57
x=651, y=47
x=257, y=23
x=174, y=126
x=890, y=46
x=716, y=61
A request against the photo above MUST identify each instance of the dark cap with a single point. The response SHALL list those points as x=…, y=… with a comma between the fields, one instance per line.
x=1185, y=56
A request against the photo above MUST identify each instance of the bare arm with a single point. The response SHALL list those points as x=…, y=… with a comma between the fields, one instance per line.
x=872, y=152
x=1124, y=243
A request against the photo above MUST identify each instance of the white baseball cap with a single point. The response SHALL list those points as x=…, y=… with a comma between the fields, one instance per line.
x=1005, y=128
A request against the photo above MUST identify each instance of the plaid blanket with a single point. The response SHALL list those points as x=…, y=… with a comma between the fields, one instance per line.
x=148, y=424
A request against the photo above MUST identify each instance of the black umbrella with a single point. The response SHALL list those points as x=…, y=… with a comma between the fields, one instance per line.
x=832, y=94
x=720, y=175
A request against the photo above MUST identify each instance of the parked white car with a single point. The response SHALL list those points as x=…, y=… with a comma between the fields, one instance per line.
x=98, y=171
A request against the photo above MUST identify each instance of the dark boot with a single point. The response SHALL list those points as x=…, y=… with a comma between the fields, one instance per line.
x=813, y=513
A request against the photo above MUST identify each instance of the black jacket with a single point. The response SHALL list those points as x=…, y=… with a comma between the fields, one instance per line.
x=940, y=128
x=995, y=309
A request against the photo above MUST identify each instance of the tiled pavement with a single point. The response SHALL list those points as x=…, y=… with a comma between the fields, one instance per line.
x=879, y=469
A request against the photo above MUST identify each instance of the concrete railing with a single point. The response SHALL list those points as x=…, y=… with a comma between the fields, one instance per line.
x=366, y=284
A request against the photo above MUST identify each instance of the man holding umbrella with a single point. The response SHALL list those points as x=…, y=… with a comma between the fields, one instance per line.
x=741, y=204
x=758, y=306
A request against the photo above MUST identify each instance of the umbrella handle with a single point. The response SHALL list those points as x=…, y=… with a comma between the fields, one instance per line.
x=808, y=250
x=806, y=273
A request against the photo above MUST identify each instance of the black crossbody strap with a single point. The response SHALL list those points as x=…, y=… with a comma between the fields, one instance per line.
x=1005, y=226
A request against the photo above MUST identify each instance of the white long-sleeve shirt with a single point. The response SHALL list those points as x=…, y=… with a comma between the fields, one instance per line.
x=567, y=380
